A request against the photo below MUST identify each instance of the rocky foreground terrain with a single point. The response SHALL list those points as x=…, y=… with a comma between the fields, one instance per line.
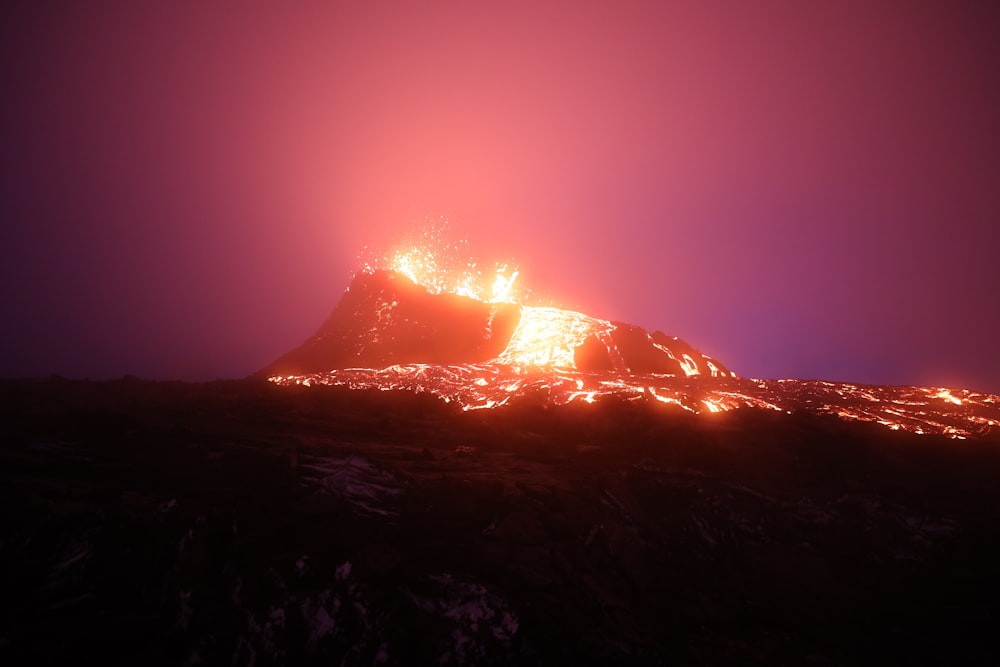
x=247, y=523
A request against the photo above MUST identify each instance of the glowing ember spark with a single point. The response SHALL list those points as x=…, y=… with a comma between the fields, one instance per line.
x=442, y=272
x=425, y=269
x=503, y=286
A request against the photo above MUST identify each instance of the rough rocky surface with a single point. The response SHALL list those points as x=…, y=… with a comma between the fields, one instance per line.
x=384, y=318
x=244, y=523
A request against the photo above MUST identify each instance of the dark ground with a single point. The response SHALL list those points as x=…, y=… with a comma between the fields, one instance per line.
x=238, y=523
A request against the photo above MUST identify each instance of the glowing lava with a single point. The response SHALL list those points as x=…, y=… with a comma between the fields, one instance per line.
x=946, y=395
x=442, y=268
x=545, y=336
x=550, y=336
x=478, y=386
x=489, y=350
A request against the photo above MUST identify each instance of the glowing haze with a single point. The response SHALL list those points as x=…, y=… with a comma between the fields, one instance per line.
x=803, y=189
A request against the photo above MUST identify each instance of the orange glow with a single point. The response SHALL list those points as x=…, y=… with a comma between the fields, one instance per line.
x=539, y=360
x=549, y=337
x=545, y=336
x=945, y=395
x=686, y=362
x=441, y=267
x=503, y=286
x=919, y=410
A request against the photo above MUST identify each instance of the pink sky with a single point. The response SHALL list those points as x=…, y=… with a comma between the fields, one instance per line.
x=799, y=189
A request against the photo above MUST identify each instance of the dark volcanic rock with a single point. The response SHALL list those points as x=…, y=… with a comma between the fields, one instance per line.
x=639, y=353
x=385, y=318
x=244, y=523
x=593, y=355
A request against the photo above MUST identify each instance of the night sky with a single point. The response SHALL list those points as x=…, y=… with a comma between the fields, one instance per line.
x=800, y=189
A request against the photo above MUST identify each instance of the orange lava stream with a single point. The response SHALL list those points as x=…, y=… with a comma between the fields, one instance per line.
x=921, y=410
x=550, y=336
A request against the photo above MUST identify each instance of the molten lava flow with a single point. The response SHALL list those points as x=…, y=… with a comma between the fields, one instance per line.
x=550, y=336
x=687, y=364
x=945, y=395
x=540, y=359
x=918, y=410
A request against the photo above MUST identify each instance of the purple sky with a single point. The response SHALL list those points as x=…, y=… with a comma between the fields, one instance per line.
x=801, y=189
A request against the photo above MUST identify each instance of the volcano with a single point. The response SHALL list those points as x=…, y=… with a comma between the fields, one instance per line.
x=390, y=333
x=386, y=318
